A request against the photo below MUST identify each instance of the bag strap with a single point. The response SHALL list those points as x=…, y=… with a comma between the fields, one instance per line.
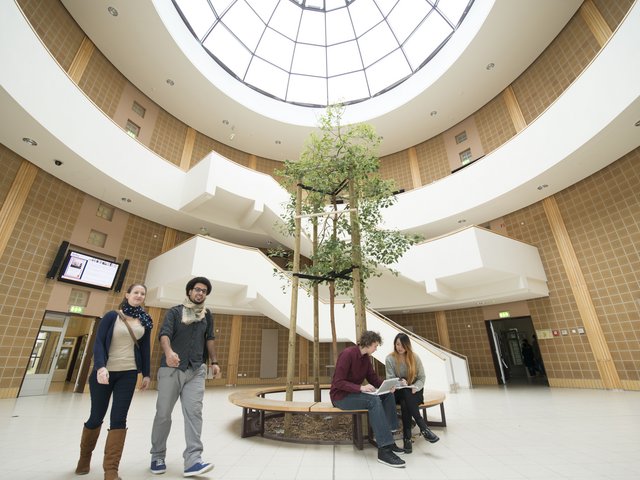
x=124, y=320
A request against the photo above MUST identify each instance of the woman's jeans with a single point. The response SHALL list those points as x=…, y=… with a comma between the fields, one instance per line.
x=382, y=413
x=409, y=409
x=121, y=385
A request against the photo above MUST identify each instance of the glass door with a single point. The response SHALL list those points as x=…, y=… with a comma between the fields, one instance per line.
x=44, y=356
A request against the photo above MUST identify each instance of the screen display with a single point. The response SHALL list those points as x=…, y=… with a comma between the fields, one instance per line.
x=84, y=269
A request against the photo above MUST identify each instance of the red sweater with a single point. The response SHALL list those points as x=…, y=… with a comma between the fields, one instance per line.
x=352, y=368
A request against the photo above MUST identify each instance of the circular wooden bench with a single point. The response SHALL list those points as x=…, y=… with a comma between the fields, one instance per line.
x=257, y=409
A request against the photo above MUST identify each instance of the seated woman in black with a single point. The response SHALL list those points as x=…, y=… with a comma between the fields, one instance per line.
x=406, y=365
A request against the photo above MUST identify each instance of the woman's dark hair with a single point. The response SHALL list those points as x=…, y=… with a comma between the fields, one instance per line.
x=369, y=338
x=192, y=283
x=408, y=357
x=129, y=288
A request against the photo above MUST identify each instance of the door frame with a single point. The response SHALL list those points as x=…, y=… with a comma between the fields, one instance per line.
x=38, y=383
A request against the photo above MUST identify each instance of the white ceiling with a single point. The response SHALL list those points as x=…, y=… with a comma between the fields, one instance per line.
x=138, y=43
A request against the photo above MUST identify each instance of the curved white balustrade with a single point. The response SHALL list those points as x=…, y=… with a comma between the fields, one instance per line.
x=596, y=130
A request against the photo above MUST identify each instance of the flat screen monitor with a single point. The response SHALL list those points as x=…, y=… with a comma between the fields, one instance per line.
x=84, y=269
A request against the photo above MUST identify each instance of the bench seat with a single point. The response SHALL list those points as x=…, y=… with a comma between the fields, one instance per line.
x=256, y=409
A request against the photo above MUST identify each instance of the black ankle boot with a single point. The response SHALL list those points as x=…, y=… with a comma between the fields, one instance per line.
x=429, y=436
x=408, y=447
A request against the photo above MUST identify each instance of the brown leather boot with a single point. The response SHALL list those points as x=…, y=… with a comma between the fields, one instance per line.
x=113, y=453
x=87, y=444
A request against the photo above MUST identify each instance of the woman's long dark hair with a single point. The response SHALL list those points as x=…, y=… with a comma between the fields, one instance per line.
x=409, y=357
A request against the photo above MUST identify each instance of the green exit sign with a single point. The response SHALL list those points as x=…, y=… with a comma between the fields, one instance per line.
x=76, y=309
x=504, y=314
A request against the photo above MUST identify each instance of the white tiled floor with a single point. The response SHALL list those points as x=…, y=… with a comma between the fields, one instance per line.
x=493, y=433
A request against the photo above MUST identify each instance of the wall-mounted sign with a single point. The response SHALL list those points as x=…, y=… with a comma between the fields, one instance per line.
x=504, y=314
x=76, y=309
x=556, y=333
x=564, y=331
x=544, y=334
x=581, y=330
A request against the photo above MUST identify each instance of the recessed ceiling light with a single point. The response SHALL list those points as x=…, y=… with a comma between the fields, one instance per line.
x=126, y=200
x=433, y=113
x=543, y=186
x=490, y=66
x=30, y=141
x=170, y=82
x=112, y=11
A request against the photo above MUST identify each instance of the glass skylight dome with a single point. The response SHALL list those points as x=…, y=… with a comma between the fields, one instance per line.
x=322, y=52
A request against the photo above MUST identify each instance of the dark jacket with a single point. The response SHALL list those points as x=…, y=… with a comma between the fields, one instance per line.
x=103, y=342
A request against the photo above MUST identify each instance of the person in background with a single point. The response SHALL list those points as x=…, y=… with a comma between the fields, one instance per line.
x=537, y=355
x=187, y=341
x=406, y=365
x=121, y=350
x=347, y=393
x=527, y=357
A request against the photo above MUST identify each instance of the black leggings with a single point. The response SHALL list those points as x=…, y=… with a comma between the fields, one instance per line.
x=121, y=386
x=409, y=409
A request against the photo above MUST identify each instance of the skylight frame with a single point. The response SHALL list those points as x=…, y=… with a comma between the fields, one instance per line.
x=248, y=65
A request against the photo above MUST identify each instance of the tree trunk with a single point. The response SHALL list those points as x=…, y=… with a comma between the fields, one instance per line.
x=356, y=259
x=291, y=358
x=316, y=323
x=332, y=290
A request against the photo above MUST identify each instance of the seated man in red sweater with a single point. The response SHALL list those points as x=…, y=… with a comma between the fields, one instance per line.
x=348, y=393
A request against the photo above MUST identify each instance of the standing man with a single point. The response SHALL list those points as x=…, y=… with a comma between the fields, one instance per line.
x=187, y=342
x=348, y=393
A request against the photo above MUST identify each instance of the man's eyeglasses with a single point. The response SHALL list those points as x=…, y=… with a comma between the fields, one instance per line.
x=200, y=290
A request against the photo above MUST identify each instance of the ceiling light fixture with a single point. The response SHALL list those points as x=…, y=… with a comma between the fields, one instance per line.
x=126, y=200
x=112, y=11
x=433, y=113
x=462, y=220
x=490, y=66
x=30, y=141
x=170, y=82
x=278, y=142
x=543, y=186
x=225, y=122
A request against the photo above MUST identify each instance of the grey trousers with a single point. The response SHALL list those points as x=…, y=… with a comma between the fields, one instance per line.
x=189, y=387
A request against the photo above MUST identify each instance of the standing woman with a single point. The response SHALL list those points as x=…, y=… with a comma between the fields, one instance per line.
x=121, y=350
x=406, y=365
